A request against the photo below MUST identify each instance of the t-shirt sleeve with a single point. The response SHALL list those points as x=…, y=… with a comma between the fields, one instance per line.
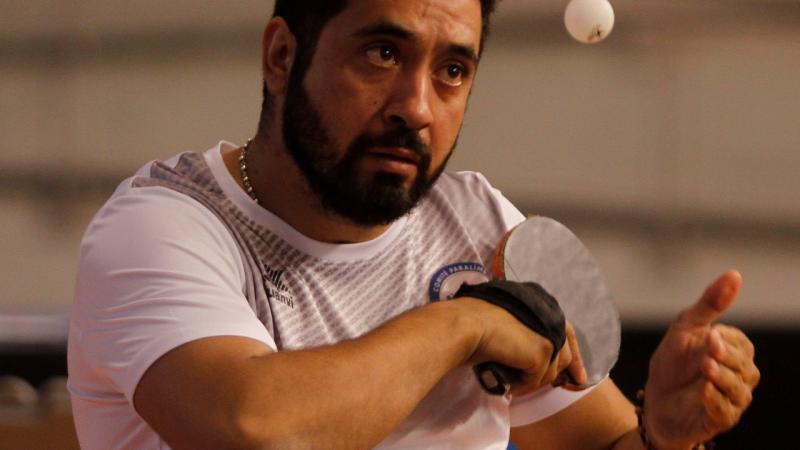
x=156, y=270
x=475, y=187
x=509, y=213
x=543, y=403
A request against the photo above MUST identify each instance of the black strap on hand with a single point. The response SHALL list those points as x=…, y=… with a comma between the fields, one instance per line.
x=529, y=302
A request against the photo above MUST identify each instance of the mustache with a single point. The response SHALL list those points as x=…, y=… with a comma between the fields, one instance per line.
x=398, y=137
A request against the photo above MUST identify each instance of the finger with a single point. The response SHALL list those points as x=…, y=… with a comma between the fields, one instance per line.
x=751, y=375
x=747, y=370
x=576, y=368
x=561, y=362
x=721, y=415
x=535, y=377
x=726, y=352
x=535, y=362
x=717, y=298
x=737, y=356
x=736, y=337
x=728, y=382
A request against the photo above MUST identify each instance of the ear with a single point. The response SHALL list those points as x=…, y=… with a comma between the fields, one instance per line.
x=278, y=52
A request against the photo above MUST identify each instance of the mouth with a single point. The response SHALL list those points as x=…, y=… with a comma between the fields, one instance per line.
x=399, y=154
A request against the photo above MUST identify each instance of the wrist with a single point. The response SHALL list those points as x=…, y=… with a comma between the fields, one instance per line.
x=651, y=437
x=465, y=327
x=473, y=316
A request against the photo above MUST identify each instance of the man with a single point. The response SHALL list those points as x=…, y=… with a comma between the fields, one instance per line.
x=284, y=294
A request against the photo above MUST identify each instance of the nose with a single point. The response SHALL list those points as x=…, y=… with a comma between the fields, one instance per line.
x=410, y=102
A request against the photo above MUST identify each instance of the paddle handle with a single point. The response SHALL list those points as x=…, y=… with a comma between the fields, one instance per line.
x=497, y=379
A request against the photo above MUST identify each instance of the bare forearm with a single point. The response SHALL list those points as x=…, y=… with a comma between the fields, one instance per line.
x=350, y=395
x=603, y=419
x=630, y=441
x=633, y=441
x=353, y=394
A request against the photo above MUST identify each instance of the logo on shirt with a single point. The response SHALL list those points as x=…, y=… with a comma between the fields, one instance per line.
x=446, y=281
x=277, y=290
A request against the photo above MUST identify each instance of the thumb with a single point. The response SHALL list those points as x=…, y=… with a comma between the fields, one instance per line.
x=716, y=299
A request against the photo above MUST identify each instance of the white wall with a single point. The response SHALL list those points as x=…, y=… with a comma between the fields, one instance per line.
x=672, y=148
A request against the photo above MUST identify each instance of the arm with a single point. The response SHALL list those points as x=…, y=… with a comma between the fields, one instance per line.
x=244, y=395
x=597, y=421
x=700, y=382
x=350, y=395
x=160, y=319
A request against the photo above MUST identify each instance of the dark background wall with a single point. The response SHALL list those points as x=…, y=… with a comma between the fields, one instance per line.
x=768, y=424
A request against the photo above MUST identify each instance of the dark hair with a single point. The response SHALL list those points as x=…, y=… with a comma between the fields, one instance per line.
x=307, y=18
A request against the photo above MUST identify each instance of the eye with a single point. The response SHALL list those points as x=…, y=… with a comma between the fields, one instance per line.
x=382, y=56
x=452, y=74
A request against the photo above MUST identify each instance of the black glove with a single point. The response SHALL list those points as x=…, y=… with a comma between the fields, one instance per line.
x=529, y=303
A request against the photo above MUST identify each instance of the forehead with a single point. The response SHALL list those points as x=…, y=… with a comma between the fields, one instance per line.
x=454, y=21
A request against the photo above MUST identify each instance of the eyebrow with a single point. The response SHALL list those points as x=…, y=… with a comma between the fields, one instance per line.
x=465, y=51
x=385, y=28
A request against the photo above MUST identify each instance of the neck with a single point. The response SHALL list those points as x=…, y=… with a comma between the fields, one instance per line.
x=283, y=190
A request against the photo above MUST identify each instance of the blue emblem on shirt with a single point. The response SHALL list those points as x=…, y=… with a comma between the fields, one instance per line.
x=446, y=281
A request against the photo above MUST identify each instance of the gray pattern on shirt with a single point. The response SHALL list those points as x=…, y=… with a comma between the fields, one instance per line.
x=305, y=301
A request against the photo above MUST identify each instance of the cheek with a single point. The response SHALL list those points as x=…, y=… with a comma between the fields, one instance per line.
x=338, y=120
x=447, y=132
x=348, y=108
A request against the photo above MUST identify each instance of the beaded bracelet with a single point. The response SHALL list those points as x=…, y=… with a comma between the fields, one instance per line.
x=709, y=445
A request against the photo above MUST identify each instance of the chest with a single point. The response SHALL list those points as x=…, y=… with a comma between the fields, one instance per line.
x=313, y=302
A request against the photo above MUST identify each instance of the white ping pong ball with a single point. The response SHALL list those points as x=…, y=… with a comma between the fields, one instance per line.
x=589, y=21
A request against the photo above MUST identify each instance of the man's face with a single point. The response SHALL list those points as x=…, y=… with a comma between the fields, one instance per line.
x=375, y=118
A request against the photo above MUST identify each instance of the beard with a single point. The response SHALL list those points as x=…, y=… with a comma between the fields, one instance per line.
x=361, y=198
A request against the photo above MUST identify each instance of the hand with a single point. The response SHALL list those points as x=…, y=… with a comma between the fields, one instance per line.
x=702, y=375
x=507, y=341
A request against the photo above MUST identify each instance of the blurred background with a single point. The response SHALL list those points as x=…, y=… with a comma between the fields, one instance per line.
x=672, y=149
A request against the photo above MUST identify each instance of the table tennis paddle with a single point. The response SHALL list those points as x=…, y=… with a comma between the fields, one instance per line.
x=543, y=251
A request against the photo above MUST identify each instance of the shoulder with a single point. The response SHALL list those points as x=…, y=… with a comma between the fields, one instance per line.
x=153, y=205
x=471, y=191
x=464, y=184
x=149, y=232
x=156, y=269
x=135, y=217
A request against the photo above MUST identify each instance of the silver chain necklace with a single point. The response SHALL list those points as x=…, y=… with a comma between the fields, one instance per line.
x=248, y=187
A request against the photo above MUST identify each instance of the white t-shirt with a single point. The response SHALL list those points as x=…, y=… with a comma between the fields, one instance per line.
x=180, y=253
